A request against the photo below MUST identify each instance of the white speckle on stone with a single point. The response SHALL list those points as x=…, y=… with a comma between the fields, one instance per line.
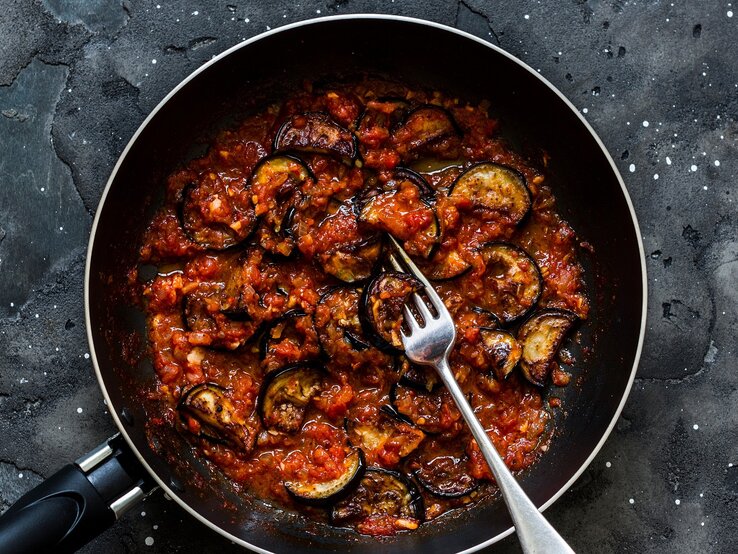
x=143, y=514
x=158, y=6
x=632, y=168
x=704, y=188
x=79, y=410
x=246, y=20
x=668, y=160
x=269, y=28
x=153, y=61
x=677, y=502
x=608, y=464
x=149, y=541
x=730, y=13
x=87, y=355
x=702, y=495
x=57, y=349
x=12, y=304
x=36, y=316
x=526, y=16
x=645, y=123
x=317, y=11
x=655, y=176
x=584, y=110
x=632, y=501
x=693, y=168
x=716, y=162
x=20, y=476
x=61, y=228
x=43, y=189
x=23, y=380
x=156, y=527
x=730, y=464
x=702, y=523
x=193, y=13
x=695, y=426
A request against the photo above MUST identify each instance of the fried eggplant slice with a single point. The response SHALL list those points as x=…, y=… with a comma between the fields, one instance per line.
x=492, y=187
x=321, y=493
x=445, y=476
x=541, y=336
x=385, y=438
x=384, y=502
x=433, y=412
x=316, y=132
x=216, y=417
x=274, y=182
x=381, y=308
x=287, y=340
x=285, y=395
x=404, y=208
x=511, y=284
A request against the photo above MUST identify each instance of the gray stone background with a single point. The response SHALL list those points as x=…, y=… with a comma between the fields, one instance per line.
x=657, y=80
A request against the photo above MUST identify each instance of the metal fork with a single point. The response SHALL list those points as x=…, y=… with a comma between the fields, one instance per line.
x=428, y=343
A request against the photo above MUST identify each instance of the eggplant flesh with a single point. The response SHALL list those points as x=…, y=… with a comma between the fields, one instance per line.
x=316, y=132
x=446, y=477
x=217, y=212
x=337, y=322
x=424, y=125
x=209, y=404
x=424, y=409
x=294, y=327
x=388, y=426
x=353, y=262
x=381, y=493
x=405, y=211
x=447, y=263
x=382, y=308
x=322, y=493
x=227, y=325
x=501, y=351
x=494, y=187
x=285, y=396
x=540, y=337
x=274, y=183
x=512, y=282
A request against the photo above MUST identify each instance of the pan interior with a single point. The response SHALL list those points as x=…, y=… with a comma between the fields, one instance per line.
x=533, y=117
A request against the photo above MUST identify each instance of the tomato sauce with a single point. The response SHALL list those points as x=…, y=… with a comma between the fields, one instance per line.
x=250, y=258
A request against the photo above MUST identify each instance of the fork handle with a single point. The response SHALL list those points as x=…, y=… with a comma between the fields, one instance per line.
x=535, y=533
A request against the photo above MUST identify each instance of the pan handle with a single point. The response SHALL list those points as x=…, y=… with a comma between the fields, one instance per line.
x=77, y=503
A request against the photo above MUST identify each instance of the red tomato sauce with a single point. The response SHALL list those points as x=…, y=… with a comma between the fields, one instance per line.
x=263, y=266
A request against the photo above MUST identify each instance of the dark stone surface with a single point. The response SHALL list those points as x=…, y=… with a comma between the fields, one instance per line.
x=78, y=76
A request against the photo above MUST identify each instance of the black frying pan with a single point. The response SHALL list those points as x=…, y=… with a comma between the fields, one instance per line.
x=73, y=505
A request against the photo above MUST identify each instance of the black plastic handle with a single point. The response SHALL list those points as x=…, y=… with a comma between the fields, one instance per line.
x=77, y=503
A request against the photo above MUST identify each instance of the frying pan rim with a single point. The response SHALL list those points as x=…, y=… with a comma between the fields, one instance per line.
x=368, y=16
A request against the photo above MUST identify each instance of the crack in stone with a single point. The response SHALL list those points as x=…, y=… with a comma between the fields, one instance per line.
x=21, y=469
x=463, y=5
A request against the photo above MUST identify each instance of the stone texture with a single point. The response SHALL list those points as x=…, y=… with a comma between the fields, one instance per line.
x=657, y=81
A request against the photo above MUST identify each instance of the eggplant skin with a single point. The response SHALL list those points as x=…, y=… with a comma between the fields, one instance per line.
x=381, y=312
x=209, y=404
x=446, y=477
x=285, y=395
x=494, y=187
x=381, y=492
x=541, y=336
x=321, y=494
x=518, y=283
x=353, y=263
x=316, y=132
